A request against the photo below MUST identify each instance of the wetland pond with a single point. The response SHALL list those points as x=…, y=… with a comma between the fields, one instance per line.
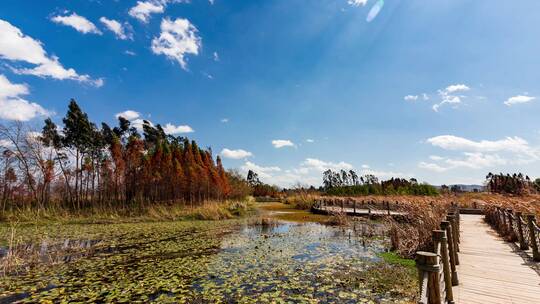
x=255, y=260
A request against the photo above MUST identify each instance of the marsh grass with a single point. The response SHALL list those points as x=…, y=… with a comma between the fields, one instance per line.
x=302, y=201
x=210, y=210
x=12, y=259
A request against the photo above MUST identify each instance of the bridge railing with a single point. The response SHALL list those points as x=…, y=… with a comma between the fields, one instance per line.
x=437, y=269
x=354, y=204
x=516, y=227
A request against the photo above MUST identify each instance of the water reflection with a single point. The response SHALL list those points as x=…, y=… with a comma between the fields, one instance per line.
x=288, y=260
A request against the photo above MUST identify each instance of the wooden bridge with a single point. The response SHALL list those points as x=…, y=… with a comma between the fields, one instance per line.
x=370, y=209
x=473, y=263
x=480, y=256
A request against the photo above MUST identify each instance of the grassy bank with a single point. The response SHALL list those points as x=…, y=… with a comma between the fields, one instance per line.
x=155, y=212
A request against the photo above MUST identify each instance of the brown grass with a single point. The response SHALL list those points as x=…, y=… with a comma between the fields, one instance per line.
x=155, y=212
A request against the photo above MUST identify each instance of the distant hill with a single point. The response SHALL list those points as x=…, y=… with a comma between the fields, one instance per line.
x=467, y=188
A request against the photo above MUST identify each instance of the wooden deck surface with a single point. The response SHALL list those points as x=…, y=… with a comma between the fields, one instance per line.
x=490, y=271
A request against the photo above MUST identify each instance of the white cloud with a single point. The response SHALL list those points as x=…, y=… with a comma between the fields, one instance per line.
x=436, y=157
x=518, y=99
x=511, y=144
x=216, y=56
x=130, y=53
x=309, y=140
x=172, y=129
x=16, y=46
x=224, y=120
x=177, y=38
x=235, y=154
x=138, y=123
x=143, y=9
x=357, y=2
x=320, y=165
x=477, y=160
x=425, y=96
x=457, y=88
x=13, y=107
x=280, y=143
x=471, y=160
x=480, y=154
x=117, y=28
x=432, y=167
x=266, y=173
x=364, y=166
x=384, y=174
x=128, y=114
x=79, y=23
x=449, y=96
x=411, y=97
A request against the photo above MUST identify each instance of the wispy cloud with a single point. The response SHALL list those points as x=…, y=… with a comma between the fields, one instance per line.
x=280, y=143
x=450, y=95
x=357, y=2
x=79, y=23
x=121, y=31
x=411, y=98
x=480, y=154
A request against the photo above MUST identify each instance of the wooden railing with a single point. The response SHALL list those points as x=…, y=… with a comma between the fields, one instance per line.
x=515, y=227
x=437, y=269
x=354, y=204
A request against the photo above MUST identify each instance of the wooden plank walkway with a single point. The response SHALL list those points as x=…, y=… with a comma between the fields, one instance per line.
x=490, y=271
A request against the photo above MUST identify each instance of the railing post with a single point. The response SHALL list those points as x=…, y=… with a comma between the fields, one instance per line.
x=440, y=241
x=532, y=235
x=445, y=225
x=427, y=263
x=522, y=243
x=453, y=225
x=354, y=207
x=503, y=211
x=511, y=233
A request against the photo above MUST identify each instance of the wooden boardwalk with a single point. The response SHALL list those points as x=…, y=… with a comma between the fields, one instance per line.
x=490, y=269
x=358, y=211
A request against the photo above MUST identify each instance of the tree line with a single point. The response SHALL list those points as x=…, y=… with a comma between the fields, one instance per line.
x=516, y=183
x=260, y=189
x=79, y=165
x=349, y=183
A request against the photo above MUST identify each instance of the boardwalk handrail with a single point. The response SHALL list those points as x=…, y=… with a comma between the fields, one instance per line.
x=352, y=206
x=515, y=227
x=437, y=269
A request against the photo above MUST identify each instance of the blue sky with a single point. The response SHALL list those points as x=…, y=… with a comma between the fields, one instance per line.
x=444, y=91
